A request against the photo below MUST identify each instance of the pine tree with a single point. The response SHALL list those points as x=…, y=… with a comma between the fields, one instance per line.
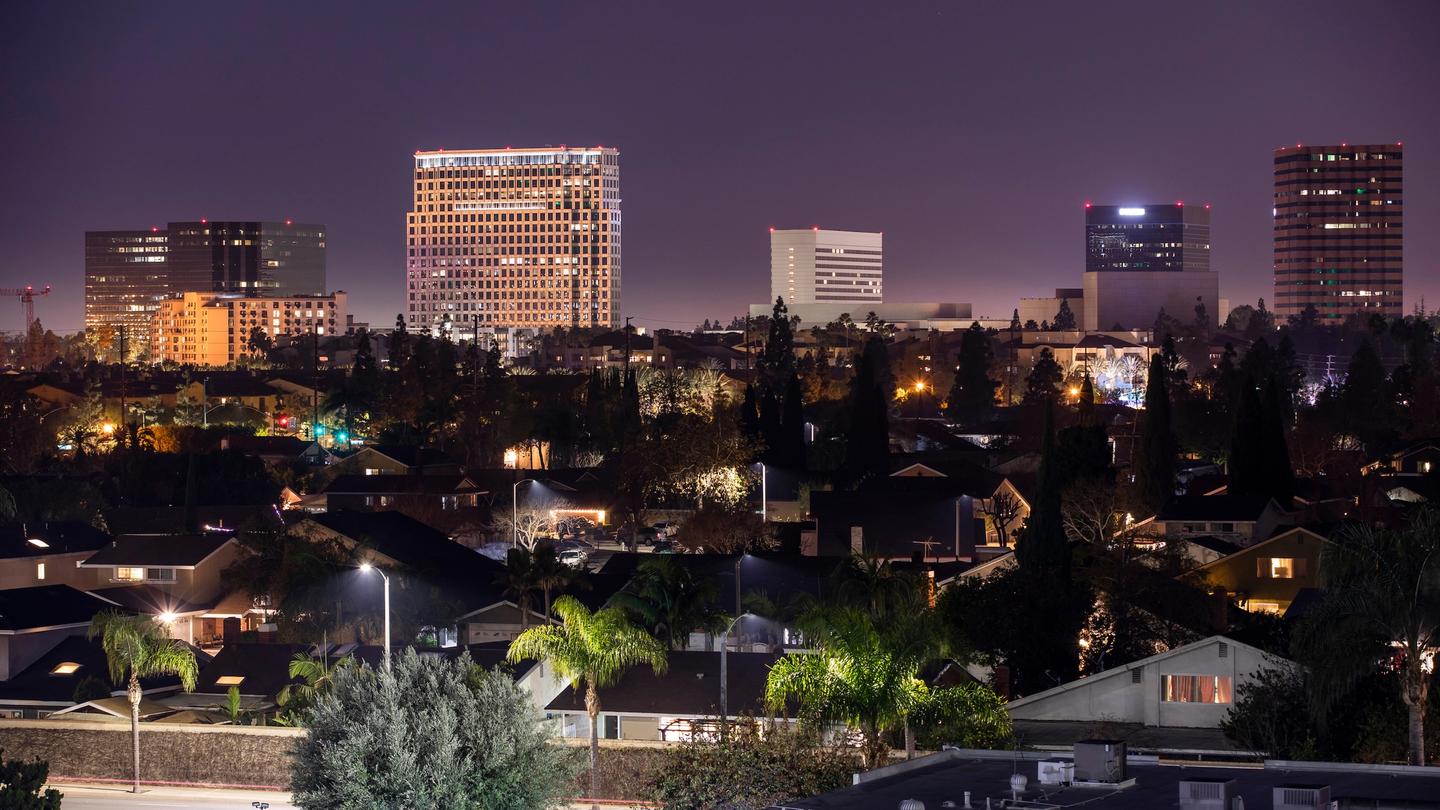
x=1042, y=384
x=972, y=395
x=1364, y=398
x=1155, y=462
x=1064, y=317
x=1015, y=320
x=399, y=343
x=777, y=360
x=770, y=431
x=750, y=414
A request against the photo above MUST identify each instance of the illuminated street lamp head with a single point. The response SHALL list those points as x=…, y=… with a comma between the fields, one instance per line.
x=107, y=428
x=1074, y=391
x=167, y=617
x=366, y=567
x=919, y=385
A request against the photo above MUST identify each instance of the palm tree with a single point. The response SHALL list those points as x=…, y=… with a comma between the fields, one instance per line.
x=315, y=676
x=670, y=601
x=520, y=580
x=589, y=649
x=875, y=587
x=136, y=647
x=1381, y=605
x=552, y=574
x=868, y=678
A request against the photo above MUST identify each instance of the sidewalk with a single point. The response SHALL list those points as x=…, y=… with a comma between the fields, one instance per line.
x=89, y=796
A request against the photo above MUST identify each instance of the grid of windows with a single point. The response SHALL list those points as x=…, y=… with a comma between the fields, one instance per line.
x=514, y=238
x=1338, y=230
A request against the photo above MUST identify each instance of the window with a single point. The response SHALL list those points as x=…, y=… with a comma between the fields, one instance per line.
x=129, y=575
x=229, y=680
x=65, y=668
x=160, y=574
x=40, y=570
x=1279, y=567
x=1195, y=688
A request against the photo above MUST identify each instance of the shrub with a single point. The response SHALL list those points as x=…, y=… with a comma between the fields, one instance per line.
x=753, y=767
x=429, y=733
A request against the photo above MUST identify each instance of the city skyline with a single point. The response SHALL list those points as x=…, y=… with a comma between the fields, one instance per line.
x=991, y=139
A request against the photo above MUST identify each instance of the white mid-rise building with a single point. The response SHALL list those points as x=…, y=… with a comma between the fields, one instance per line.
x=813, y=266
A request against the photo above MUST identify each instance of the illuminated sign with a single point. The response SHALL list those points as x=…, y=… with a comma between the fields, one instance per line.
x=1132, y=212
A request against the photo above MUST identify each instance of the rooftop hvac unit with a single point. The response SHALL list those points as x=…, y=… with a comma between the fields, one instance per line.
x=1056, y=772
x=1302, y=797
x=1100, y=761
x=1200, y=793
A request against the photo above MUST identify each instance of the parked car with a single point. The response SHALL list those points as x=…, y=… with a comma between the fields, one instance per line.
x=665, y=529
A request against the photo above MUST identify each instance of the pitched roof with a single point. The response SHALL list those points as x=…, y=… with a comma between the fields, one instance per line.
x=400, y=484
x=43, y=606
x=164, y=550
x=690, y=686
x=171, y=519
x=267, y=445
x=57, y=537
x=1239, y=508
x=147, y=599
x=40, y=681
x=265, y=668
x=1087, y=680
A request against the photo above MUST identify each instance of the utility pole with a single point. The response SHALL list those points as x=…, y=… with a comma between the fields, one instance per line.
x=315, y=392
x=627, y=344
x=122, y=379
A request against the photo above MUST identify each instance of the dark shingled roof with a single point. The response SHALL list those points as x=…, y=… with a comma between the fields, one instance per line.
x=47, y=606
x=60, y=537
x=690, y=686
x=171, y=519
x=168, y=550
x=266, y=667
x=38, y=682
x=400, y=484
x=1215, y=508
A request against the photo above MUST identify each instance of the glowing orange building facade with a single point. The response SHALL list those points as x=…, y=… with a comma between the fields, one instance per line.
x=514, y=238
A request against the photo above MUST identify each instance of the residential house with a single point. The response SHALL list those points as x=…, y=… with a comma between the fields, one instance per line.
x=51, y=682
x=672, y=706
x=279, y=451
x=34, y=620
x=177, y=577
x=1192, y=686
x=445, y=502
x=924, y=511
x=393, y=459
x=1418, y=458
x=1268, y=575
x=47, y=553
x=1239, y=519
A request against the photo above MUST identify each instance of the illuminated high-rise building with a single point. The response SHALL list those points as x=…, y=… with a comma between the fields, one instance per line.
x=810, y=265
x=1338, y=216
x=514, y=238
x=128, y=273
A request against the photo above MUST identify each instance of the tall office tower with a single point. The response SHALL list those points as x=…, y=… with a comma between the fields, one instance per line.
x=128, y=273
x=811, y=266
x=1140, y=260
x=124, y=279
x=514, y=238
x=1150, y=238
x=1338, y=214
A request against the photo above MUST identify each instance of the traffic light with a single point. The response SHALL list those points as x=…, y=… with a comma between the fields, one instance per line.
x=342, y=436
x=283, y=420
x=320, y=430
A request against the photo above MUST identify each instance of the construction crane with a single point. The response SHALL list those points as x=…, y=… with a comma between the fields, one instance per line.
x=27, y=300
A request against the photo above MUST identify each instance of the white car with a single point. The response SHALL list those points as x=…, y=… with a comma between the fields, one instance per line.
x=574, y=557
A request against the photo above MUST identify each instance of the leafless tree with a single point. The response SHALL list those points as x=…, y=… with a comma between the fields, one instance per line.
x=1002, y=509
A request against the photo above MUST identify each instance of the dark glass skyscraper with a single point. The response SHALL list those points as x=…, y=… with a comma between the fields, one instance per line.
x=1171, y=237
x=127, y=273
x=1338, y=216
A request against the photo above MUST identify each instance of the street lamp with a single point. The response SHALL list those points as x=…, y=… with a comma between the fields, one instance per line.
x=764, y=494
x=515, y=511
x=919, y=398
x=725, y=669
x=366, y=568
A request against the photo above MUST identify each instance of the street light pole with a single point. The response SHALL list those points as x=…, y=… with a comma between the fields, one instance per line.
x=367, y=568
x=725, y=670
x=515, y=511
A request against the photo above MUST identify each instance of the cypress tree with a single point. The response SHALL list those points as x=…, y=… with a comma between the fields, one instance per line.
x=750, y=414
x=1155, y=465
x=867, y=445
x=1278, y=474
x=792, y=425
x=972, y=394
x=1246, y=466
x=770, y=431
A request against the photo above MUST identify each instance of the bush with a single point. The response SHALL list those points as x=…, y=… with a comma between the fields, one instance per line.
x=1272, y=716
x=430, y=733
x=22, y=785
x=754, y=767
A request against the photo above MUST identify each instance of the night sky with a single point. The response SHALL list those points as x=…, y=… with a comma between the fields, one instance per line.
x=971, y=134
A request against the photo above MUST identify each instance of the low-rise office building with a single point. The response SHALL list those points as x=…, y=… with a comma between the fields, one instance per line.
x=207, y=329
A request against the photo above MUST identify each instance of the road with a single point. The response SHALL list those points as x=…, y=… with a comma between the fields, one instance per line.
x=119, y=798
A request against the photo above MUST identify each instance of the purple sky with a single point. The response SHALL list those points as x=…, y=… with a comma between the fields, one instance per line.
x=970, y=133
